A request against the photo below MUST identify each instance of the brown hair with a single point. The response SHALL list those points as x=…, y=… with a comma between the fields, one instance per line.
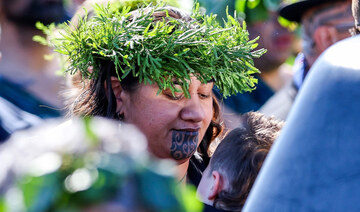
x=239, y=158
x=93, y=98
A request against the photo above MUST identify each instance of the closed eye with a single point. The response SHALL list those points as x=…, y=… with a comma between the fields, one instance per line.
x=175, y=96
x=204, y=96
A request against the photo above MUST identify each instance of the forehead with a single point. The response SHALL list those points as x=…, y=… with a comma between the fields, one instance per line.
x=194, y=82
x=194, y=85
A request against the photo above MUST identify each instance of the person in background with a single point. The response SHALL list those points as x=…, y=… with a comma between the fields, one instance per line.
x=316, y=148
x=323, y=23
x=88, y=165
x=29, y=86
x=261, y=20
x=236, y=162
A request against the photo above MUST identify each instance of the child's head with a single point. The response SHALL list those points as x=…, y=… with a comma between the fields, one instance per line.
x=236, y=162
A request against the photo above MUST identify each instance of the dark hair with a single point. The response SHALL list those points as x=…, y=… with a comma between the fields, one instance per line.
x=95, y=97
x=239, y=158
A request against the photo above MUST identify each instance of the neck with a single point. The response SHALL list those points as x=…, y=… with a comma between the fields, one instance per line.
x=23, y=62
x=182, y=171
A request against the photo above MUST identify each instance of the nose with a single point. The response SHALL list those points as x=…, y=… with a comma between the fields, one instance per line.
x=193, y=110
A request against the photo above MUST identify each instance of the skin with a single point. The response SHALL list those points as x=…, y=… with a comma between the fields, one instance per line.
x=211, y=184
x=276, y=39
x=321, y=23
x=174, y=126
x=205, y=187
x=183, y=144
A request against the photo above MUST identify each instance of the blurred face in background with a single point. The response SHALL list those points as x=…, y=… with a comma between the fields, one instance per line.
x=28, y=12
x=276, y=39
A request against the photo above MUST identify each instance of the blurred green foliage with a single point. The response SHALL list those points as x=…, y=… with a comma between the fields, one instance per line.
x=94, y=178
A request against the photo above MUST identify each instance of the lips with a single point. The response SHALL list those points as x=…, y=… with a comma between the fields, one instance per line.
x=188, y=130
x=283, y=41
x=189, y=133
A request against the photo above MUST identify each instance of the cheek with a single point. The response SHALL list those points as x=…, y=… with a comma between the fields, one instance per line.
x=154, y=119
x=144, y=115
x=209, y=111
x=156, y=114
x=200, y=190
x=206, y=122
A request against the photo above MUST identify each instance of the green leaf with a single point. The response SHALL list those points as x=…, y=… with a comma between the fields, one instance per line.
x=154, y=51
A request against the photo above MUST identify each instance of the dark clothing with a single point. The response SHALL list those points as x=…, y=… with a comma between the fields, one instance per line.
x=19, y=109
x=248, y=101
x=195, y=170
x=208, y=208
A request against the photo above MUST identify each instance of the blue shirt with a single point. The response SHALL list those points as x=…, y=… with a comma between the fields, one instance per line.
x=249, y=101
x=19, y=109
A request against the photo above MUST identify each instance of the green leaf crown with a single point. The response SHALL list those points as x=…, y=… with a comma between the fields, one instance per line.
x=162, y=50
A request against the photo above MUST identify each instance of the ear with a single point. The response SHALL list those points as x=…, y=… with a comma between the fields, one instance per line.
x=217, y=185
x=118, y=92
x=324, y=36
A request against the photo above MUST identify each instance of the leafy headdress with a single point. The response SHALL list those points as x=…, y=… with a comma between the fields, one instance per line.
x=162, y=50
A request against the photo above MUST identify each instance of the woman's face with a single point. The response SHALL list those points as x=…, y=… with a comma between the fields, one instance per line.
x=174, y=126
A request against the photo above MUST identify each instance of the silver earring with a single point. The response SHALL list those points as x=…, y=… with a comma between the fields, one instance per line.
x=120, y=116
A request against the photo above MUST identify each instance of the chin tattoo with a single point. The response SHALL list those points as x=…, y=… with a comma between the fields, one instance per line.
x=183, y=144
